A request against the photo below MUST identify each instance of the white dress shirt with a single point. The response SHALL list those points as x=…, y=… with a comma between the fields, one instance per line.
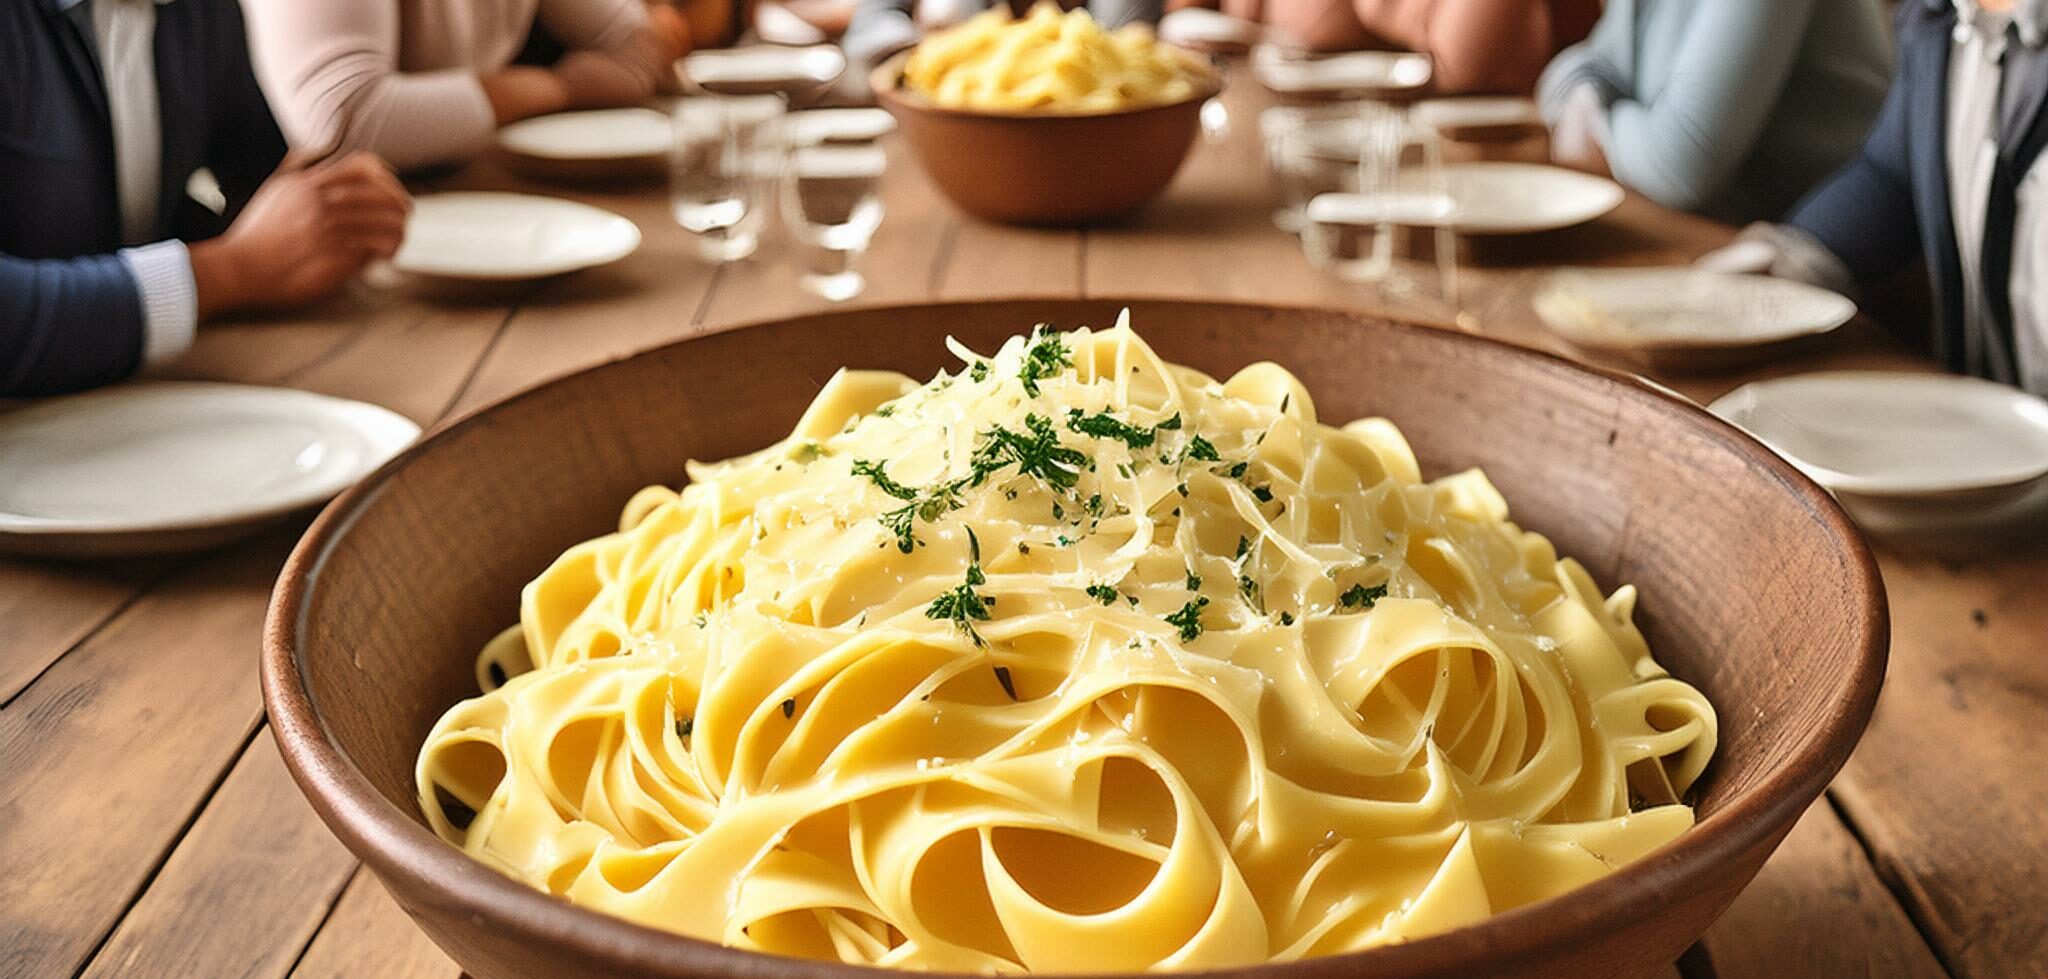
x=125, y=33
x=1975, y=71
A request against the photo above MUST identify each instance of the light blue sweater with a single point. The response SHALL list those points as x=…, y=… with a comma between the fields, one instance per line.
x=1731, y=108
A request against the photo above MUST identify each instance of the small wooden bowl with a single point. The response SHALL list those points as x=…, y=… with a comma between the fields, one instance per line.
x=1043, y=168
x=1755, y=587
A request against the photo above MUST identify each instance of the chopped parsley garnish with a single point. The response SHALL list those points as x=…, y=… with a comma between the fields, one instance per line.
x=789, y=707
x=1103, y=425
x=1169, y=425
x=979, y=371
x=1038, y=454
x=1199, y=448
x=1102, y=593
x=1359, y=596
x=1237, y=471
x=1003, y=677
x=1046, y=356
x=875, y=472
x=886, y=410
x=1189, y=619
x=810, y=451
x=962, y=605
x=1264, y=494
x=685, y=727
x=1194, y=581
x=928, y=507
x=1246, y=587
x=1182, y=489
x=1287, y=618
x=1244, y=547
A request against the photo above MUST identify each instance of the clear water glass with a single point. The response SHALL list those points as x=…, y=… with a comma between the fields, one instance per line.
x=832, y=204
x=1310, y=150
x=722, y=170
x=1399, y=184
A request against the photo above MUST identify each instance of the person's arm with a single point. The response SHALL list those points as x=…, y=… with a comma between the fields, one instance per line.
x=1730, y=68
x=71, y=324
x=1863, y=215
x=330, y=68
x=1587, y=65
x=1495, y=46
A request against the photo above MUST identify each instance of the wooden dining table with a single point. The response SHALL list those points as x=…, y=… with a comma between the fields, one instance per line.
x=148, y=827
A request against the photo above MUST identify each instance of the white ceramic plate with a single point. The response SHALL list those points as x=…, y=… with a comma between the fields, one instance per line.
x=762, y=67
x=506, y=237
x=1899, y=436
x=1683, y=317
x=1523, y=198
x=814, y=126
x=165, y=466
x=1203, y=28
x=601, y=135
x=1356, y=71
x=1475, y=112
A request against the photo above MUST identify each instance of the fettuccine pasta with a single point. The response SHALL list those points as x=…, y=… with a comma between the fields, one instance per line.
x=1045, y=61
x=1076, y=660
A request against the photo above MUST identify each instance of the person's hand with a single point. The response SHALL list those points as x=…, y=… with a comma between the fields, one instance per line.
x=306, y=231
x=1575, y=141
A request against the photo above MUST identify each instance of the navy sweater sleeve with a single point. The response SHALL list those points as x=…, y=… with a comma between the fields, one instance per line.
x=67, y=324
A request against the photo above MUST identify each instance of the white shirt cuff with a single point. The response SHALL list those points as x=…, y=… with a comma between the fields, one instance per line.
x=170, y=300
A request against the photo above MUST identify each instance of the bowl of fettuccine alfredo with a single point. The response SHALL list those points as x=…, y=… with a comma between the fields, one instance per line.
x=1057, y=638
x=1047, y=118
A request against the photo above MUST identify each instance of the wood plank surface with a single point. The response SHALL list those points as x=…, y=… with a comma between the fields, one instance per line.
x=144, y=812
x=245, y=890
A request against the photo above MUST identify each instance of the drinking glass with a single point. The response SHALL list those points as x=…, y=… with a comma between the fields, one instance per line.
x=1399, y=184
x=1310, y=150
x=722, y=171
x=832, y=203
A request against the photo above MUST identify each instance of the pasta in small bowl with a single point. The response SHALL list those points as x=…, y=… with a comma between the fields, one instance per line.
x=1047, y=119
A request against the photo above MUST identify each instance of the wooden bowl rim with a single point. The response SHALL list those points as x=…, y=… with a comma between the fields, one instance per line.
x=886, y=81
x=397, y=846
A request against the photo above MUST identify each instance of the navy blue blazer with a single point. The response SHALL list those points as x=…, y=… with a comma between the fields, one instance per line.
x=70, y=314
x=1891, y=203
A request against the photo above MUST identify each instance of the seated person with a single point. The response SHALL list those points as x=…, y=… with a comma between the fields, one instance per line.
x=1731, y=109
x=1477, y=46
x=1948, y=175
x=426, y=83
x=880, y=28
x=112, y=106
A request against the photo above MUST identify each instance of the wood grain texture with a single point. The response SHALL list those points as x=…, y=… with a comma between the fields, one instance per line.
x=109, y=754
x=48, y=607
x=1817, y=909
x=1948, y=790
x=368, y=937
x=246, y=888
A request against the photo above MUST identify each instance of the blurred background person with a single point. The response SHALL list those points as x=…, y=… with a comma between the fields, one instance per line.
x=1949, y=175
x=112, y=106
x=1477, y=46
x=1729, y=108
x=880, y=28
x=427, y=83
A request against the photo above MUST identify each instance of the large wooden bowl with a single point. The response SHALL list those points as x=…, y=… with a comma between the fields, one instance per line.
x=1754, y=587
x=1045, y=169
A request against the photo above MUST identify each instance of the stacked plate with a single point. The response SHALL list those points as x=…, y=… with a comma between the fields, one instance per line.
x=1681, y=320
x=157, y=467
x=1907, y=452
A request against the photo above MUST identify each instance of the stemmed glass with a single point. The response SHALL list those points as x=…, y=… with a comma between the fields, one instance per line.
x=1399, y=183
x=722, y=171
x=832, y=203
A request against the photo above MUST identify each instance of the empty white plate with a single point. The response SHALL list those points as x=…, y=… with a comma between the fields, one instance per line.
x=1462, y=117
x=762, y=68
x=814, y=126
x=160, y=466
x=506, y=237
x=1899, y=436
x=1522, y=198
x=600, y=135
x=1356, y=71
x=1685, y=318
x=1209, y=29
